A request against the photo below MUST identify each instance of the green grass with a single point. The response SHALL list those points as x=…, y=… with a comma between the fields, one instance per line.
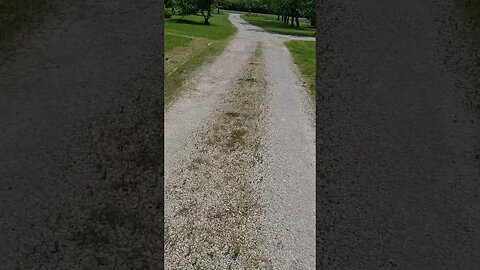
x=303, y=53
x=192, y=26
x=188, y=44
x=270, y=23
x=172, y=41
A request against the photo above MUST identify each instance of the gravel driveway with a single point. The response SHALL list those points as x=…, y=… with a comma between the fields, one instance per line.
x=277, y=172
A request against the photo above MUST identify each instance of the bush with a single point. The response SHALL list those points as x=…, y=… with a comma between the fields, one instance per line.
x=167, y=13
x=241, y=6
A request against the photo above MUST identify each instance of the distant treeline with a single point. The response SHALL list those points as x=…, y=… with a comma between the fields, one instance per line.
x=288, y=11
x=248, y=6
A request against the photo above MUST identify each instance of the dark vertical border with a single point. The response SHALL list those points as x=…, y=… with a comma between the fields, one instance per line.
x=317, y=97
x=398, y=141
x=162, y=169
x=81, y=136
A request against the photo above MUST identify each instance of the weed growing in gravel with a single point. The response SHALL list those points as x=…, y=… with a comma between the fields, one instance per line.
x=223, y=229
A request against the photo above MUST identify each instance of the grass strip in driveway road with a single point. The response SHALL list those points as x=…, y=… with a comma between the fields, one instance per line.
x=270, y=23
x=188, y=44
x=212, y=218
x=303, y=53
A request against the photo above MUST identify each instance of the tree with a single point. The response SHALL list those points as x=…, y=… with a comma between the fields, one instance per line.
x=205, y=7
x=187, y=7
x=169, y=4
x=219, y=4
x=308, y=10
x=290, y=11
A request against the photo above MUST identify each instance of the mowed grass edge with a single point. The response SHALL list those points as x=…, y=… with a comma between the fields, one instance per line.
x=198, y=43
x=303, y=54
x=269, y=23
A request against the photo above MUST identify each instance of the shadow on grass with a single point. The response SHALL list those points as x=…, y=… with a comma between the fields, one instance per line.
x=185, y=21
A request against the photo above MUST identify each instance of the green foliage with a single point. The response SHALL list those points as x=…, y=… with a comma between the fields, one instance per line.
x=168, y=3
x=186, y=7
x=308, y=10
x=295, y=8
x=284, y=8
x=167, y=13
x=303, y=53
x=257, y=6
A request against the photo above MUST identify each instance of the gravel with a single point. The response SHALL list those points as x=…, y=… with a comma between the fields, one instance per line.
x=281, y=179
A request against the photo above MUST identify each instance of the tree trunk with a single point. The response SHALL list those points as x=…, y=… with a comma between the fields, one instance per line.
x=278, y=17
x=293, y=16
x=208, y=16
x=205, y=17
x=218, y=10
x=296, y=21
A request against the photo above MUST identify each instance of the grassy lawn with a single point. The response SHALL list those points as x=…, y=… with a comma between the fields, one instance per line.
x=188, y=44
x=270, y=23
x=303, y=53
x=172, y=41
